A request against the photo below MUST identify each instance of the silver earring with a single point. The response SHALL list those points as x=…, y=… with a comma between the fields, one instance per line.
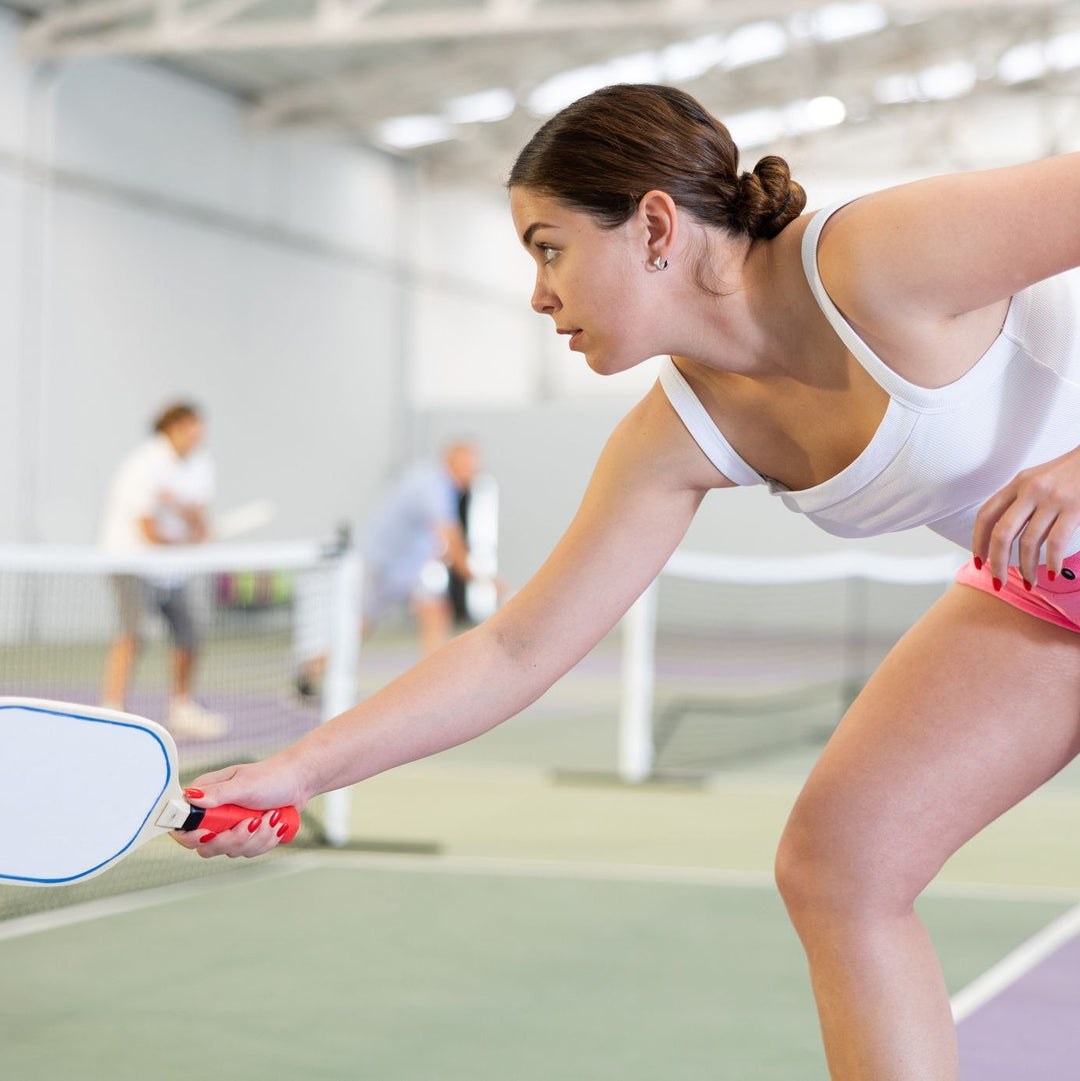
x=660, y=264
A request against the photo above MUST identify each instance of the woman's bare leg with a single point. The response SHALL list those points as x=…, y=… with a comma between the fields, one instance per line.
x=435, y=623
x=977, y=706
x=119, y=664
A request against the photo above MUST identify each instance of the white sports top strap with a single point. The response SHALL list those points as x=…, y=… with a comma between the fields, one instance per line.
x=923, y=399
x=700, y=425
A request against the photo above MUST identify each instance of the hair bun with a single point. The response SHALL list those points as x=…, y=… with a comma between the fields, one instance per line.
x=768, y=198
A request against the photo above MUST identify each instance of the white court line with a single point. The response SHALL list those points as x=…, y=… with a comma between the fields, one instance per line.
x=1017, y=964
x=674, y=874
x=20, y=926
x=481, y=865
x=501, y=867
x=1002, y=891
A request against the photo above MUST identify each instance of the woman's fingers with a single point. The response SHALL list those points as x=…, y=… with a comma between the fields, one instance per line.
x=1032, y=539
x=215, y=776
x=247, y=839
x=270, y=783
x=1010, y=523
x=1057, y=540
x=185, y=838
x=987, y=520
x=1037, y=514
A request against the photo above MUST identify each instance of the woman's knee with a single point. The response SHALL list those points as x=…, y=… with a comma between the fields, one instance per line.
x=825, y=869
x=804, y=870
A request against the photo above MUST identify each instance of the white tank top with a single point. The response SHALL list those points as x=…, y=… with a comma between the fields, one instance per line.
x=937, y=454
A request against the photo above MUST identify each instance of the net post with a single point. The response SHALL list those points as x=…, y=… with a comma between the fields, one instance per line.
x=339, y=686
x=635, y=759
x=856, y=635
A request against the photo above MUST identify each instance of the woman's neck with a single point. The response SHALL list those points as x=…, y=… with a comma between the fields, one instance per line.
x=756, y=327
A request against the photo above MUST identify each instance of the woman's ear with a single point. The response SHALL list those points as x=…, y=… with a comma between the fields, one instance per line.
x=660, y=218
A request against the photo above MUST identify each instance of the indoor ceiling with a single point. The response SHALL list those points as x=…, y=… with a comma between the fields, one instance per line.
x=459, y=85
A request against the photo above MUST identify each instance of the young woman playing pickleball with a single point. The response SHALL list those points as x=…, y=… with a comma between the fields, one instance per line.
x=908, y=358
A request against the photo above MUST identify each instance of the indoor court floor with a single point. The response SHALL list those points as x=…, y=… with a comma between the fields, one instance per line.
x=561, y=927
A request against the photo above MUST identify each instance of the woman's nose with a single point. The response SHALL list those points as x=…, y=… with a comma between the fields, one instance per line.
x=543, y=300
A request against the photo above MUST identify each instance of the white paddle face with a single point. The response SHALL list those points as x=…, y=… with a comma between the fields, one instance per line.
x=79, y=788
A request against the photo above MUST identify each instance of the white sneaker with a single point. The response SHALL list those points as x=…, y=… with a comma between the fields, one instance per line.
x=188, y=718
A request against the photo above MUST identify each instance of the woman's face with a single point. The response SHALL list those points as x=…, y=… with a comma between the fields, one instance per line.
x=591, y=280
x=186, y=435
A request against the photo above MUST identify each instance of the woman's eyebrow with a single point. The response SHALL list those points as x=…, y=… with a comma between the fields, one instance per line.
x=528, y=234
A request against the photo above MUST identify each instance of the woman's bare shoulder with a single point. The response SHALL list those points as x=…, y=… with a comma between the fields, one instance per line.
x=938, y=249
x=653, y=438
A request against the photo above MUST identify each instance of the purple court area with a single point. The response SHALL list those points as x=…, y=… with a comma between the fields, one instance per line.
x=258, y=723
x=254, y=720
x=1031, y=1030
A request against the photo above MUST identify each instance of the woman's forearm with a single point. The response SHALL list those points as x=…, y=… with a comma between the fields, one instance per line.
x=466, y=688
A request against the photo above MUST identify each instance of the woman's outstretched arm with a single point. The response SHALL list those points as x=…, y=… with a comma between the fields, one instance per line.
x=649, y=481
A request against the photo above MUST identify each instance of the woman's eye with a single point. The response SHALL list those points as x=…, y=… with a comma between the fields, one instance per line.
x=547, y=253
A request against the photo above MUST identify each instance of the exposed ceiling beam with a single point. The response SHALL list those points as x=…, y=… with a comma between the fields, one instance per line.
x=359, y=96
x=445, y=73
x=51, y=37
x=58, y=21
x=56, y=34
x=214, y=14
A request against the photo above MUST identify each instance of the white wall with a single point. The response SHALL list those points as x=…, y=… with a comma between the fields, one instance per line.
x=173, y=252
x=288, y=352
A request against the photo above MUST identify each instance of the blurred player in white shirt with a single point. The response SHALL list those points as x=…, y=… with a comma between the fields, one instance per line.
x=160, y=495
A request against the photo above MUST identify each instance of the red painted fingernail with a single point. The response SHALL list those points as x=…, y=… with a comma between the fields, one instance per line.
x=1027, y=585
x=283, y=830
x=1051, y=575
x=978, y=563
x=206, y=838
x=275, y=818
x=997, y=585
x=194, y=793
x=254, y=824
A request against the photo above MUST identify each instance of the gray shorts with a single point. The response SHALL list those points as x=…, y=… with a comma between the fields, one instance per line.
x=135, y=595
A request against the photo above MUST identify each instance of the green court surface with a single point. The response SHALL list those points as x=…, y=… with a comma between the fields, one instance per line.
x=560, y=929
x=352, y=968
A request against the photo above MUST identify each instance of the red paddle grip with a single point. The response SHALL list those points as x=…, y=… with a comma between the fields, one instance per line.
x=228, y=815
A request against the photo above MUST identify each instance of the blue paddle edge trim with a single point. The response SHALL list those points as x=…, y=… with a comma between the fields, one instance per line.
x=116, y=855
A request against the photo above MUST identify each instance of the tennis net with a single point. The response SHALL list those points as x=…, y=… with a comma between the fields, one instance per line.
x=726, y=658
x=260, y=615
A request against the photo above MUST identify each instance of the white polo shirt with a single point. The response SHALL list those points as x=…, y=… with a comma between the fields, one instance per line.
x=148, y=484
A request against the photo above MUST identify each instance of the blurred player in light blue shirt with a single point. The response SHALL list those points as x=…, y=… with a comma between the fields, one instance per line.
x=413, y=537
x=411, y=541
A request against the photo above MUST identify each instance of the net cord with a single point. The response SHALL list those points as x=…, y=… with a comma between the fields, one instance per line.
x=823, y=567
x=202, y=558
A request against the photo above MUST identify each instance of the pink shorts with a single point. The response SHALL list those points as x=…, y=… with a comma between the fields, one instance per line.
x=1057, y=602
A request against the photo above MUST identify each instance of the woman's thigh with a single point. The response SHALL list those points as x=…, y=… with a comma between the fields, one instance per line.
x=974, y=708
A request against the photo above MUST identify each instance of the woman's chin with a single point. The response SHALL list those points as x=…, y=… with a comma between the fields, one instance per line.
x=605, y=364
